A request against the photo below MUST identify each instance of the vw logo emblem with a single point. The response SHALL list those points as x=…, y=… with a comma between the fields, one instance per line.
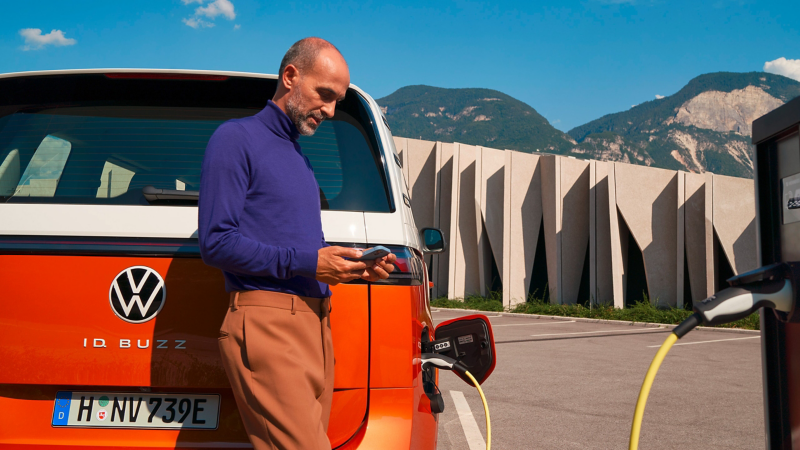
x=137, y=294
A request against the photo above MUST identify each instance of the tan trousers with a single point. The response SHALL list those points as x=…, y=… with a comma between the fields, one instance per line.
x=278, y=353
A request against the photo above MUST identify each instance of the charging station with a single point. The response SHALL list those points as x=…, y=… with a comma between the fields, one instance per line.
x=777, y=185
x=773, y=288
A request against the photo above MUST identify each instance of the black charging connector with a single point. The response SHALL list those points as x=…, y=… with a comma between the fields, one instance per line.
x=447, y=348
x=429, y=377
x=773, y=286
x=432, y=390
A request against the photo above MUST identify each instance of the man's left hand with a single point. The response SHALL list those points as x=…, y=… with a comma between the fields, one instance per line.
x=380, y=269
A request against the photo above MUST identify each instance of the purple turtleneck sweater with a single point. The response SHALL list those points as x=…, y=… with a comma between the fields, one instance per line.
x=259, y=211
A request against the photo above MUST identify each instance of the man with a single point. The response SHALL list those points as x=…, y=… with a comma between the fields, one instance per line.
x=260, y=222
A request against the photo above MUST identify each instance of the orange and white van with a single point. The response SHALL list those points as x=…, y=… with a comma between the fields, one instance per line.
x=109, y=319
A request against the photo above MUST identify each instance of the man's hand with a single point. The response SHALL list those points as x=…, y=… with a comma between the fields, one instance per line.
x=380, y=268
x=333, y=268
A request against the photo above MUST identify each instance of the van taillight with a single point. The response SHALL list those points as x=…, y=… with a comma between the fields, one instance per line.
x=409, y=269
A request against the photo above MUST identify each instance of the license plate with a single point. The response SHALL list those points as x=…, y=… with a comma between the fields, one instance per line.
x=135, y=410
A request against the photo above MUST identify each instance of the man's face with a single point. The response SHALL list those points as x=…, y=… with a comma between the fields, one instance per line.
x=313, y=97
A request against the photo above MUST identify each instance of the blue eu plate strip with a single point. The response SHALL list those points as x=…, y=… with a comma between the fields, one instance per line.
x=61, y=410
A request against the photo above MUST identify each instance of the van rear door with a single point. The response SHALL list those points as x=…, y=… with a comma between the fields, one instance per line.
x=110, y=319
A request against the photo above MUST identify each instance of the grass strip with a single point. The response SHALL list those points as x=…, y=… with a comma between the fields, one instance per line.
x=641, y=311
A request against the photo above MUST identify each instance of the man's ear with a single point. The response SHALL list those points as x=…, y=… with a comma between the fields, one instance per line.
x=290, y=76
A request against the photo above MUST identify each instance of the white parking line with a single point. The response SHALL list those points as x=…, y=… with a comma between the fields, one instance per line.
x=603, y=331
x=554, y=322
x=706, y=342
x=471, y=430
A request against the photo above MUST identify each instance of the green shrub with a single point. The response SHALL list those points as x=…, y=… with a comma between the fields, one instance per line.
x=641, y=311
x=492, y=303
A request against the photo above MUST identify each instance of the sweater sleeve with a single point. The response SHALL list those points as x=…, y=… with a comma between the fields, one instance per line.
x=324, y=244
x=224, y=182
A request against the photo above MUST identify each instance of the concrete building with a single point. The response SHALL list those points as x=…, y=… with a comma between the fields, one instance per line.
x=576, y=231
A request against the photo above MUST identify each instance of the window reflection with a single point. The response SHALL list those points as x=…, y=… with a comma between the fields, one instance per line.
x=114, y=180
x=41, y=177
x=9, y=173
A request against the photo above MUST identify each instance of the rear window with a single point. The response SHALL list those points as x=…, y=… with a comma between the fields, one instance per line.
x=107, y=151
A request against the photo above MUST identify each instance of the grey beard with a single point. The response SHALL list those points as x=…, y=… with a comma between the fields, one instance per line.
x=294, y=109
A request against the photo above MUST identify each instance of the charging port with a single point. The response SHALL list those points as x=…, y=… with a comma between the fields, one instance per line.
x=429, y=377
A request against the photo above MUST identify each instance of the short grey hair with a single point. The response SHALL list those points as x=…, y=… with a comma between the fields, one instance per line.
x=303, y=53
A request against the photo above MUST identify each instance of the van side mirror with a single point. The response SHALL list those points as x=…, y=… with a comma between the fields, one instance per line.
x=433, y=240
x=470, y=341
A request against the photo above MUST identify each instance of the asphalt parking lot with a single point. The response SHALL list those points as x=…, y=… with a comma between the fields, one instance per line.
x=563, y=384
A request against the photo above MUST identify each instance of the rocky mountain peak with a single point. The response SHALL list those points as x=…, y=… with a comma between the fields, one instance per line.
x=704, y=127
x=726, y=111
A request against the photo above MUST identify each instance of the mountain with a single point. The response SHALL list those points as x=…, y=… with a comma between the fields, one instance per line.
x=471, y=116
x=704, y=127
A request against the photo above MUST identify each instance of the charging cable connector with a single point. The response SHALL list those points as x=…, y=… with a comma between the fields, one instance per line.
x=447, y=363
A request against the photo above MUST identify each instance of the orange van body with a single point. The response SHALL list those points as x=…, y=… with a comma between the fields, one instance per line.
x=49, y=324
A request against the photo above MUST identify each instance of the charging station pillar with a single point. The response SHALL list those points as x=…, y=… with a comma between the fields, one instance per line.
x=777, y=185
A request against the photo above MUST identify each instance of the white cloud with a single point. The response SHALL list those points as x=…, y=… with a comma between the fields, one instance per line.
x=35, y=40
x=211, y=11
x=217, y=8
x=196, y=22
x=237, y=26
x=787, y=67
x=659, y=97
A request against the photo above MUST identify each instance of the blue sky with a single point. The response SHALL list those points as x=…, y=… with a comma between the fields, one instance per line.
x=572, y=61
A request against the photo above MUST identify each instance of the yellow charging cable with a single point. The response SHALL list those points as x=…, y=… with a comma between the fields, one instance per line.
x=644, y=392
x=678, y=332
x=485, y=409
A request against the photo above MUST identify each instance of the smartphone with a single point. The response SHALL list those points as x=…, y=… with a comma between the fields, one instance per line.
x=373, y=254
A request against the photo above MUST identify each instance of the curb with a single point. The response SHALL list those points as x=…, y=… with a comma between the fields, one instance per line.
x=589, y=320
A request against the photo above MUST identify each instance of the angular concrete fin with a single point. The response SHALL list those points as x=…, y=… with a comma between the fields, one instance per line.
x=523, y=212
x=455, y=251
x=444, y=180
x=711, y=270
x=574, y=180
x=695, y=234
x=464, y=279
x=551, y=210
x=618, y=249
x=602, y=289
x=492, y=192
x=483, y=249
x=420, y=158
x=624, y=247
x=680, y=248
x=648, y=198
x=734, y=221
